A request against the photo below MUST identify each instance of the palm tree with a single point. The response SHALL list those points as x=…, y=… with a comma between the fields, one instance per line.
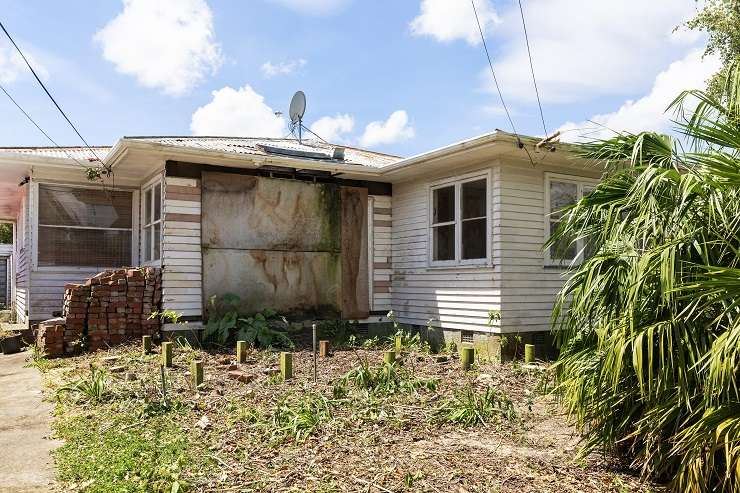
x=649, y=325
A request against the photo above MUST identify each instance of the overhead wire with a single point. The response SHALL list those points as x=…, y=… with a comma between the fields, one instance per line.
x=531, y=67
x=46, y=90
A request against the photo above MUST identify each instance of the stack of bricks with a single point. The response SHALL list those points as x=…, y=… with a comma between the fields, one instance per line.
x=50, y=337
x=110, y=308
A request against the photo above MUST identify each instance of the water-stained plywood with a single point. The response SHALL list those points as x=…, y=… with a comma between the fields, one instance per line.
x=251, y=212
x=355, y=284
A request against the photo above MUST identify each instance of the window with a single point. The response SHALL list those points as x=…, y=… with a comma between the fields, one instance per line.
x=84, y=227
x=562, y=191
x=151, y=231
x=459, y=222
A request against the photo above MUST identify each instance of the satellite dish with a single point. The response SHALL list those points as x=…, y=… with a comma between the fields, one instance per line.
x=297, y=107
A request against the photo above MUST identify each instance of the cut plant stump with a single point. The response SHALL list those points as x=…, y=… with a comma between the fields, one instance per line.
x=324, y=349
x=167, y=354
x=241, y=351
x=196, y=368
x=146, y=344
x=467, y=357
x=529, y=353
x=286, y=365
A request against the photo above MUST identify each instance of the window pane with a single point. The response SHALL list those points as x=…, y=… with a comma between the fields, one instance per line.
x=147, y=244
x=66, y=206
x=148, y=206
x=84, y=247
x=157, y=202
x=562, y=195
x=444, y=205
x=444, y=242
x=563, y=250
x=474, y=239
x=157, y=241
x=473, y=199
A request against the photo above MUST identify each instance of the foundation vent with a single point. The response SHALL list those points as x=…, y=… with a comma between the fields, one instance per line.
x=466, y=336
x=539, y=338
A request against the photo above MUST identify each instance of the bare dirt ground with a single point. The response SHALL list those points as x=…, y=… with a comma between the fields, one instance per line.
x=296, y=435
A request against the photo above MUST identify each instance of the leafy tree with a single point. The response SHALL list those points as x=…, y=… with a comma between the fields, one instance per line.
x=720, y=19
x=649, y=325
x=6, y=233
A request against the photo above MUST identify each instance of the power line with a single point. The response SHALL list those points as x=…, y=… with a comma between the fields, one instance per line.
x=39, y=127
x=493, y=72
x=38, y=79
x=531, y=66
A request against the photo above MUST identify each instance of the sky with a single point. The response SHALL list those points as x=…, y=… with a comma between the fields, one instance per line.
x=397, y=76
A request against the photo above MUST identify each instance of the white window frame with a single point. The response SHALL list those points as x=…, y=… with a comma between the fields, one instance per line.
x=145, y=224
x=581, y=182
x=34, y=226
x=457, y=182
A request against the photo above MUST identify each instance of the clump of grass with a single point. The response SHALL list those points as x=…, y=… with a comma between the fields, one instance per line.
x=298, y=419
x=93, y=389
x=470, y=408
x=390, y=378
x=38, y=360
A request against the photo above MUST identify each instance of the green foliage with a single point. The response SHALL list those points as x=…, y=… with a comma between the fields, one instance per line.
x=339, y=332
x=470, y=408
x=407, y=340
x=6, y=233
x=93, y=389
x=226, y=324
x=386, y=379
x=298, y=418
x=649, y=325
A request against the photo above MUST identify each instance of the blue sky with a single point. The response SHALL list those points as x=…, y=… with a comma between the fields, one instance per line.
x=398, y=76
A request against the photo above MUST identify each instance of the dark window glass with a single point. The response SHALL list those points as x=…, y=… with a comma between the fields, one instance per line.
x=84, y=247
x=474, y=239
x=563, y=250
x=474, y=199
x=86, y=207
x=444, y=242
x=562, y=194
x=444, y=205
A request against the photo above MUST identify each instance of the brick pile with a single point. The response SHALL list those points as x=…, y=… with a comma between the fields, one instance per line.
x=109, y=308
x=50, y=337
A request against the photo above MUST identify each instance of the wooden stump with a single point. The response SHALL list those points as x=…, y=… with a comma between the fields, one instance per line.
x=467, y=357
x=146, y=344
x=167, y=354
x=286, y=365
x=529, y=353
x=196, y=369
x=399, y=343
x=241, y=351
x=324, y=349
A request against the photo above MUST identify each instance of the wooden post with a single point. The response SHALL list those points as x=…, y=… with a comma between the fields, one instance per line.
x=399, y=343
x=315, y=363
x=286, y=365
x=196, y=368
x=324, y=349
x=389, y=357
x=146, y=344
x=167, y=354
x=241, y=351
x=529, y=353
x=467, y=357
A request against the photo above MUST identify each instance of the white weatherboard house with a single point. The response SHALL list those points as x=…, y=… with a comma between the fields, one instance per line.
x=310, y=229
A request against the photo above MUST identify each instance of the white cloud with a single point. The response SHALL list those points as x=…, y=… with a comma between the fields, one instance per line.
x=395, y=129
x=165, y=44
x=582, y=50
x=270, y=70
x=648, y=112
x=12, y=66
x=334, y=128
x=237, y=112
x=450, y=20
x=313, y=7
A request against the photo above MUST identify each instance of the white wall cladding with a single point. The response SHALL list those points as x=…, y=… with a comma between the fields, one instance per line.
x=23, y=259
x=455, y=297
x=182, y=263
x=380, y=260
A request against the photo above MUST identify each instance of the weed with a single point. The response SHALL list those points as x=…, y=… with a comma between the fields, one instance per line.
x=93, y=389
x=470, y=408
x=298, y=419
x=38, y=360
x=387, y=379
x=226, y=324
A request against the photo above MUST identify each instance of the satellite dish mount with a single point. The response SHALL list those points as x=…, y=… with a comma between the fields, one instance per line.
x=297, y=110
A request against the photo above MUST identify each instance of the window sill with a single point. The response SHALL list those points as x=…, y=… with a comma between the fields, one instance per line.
x=482, y=265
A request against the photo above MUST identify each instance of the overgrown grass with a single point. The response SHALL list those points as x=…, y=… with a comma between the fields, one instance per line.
x=93, y=389
x=387, y=379
x=469, y=407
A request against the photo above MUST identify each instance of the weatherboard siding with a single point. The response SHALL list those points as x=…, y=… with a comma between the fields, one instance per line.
x=23, y=259
x=182, y=261
x=456, y=298
x=380, y=255
x=47, y=295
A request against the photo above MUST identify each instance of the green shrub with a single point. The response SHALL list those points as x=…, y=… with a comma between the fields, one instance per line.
x=469, y=407
x=93, y=389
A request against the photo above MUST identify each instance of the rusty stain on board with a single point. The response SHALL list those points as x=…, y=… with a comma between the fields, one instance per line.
x=355, y=285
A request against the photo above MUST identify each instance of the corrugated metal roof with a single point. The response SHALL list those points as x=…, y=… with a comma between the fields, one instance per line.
x=259, y=147
x=82, y=154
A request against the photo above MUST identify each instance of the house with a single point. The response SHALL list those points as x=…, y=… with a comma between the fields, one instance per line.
x=444, y=238
x=6, y=252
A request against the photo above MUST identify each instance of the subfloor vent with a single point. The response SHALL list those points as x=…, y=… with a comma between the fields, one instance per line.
x=466, y=336
x=539, y=338
x=362, y=330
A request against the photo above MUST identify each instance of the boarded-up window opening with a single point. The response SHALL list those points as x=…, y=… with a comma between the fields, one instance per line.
x=84, y=227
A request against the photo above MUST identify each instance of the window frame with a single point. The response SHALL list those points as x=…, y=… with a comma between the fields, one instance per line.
x=34, y=225
x=457, y=182
x=581, y=182
x=150, y=185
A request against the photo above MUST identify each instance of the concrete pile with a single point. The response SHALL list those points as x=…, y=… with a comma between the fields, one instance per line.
x=107, y=309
